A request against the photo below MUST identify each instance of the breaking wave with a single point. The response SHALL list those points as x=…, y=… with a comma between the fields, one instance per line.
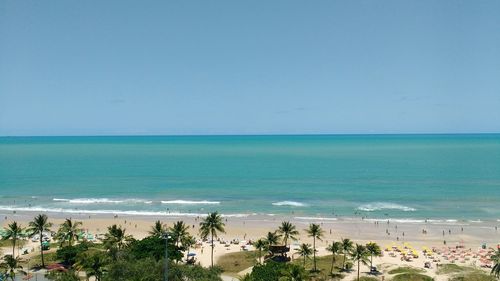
x=289, y=203
x=100, y=201
x=112, y=212
x=189, y=202
x=378, y=206
x=315, y=219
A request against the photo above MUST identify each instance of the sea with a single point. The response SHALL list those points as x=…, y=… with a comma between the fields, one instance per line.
x=413, y=178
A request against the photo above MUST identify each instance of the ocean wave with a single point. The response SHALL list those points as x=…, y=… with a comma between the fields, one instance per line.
x=189, y=202
x=419, y=221
x=315, y=219
x=398, y=220
x=442, y=221
x=113, y=212
x=378, y=206
x=100, y=201
x=289, y=203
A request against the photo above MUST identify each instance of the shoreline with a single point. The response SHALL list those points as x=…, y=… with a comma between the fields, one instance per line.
x=61, y=212
x=254, y=227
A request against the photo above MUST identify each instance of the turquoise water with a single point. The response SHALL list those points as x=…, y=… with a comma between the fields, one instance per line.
x=442, y=177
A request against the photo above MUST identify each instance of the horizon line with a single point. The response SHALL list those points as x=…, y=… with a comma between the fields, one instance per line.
x=250, y=135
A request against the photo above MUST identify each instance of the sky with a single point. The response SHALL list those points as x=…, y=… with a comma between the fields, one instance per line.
x=249, y=67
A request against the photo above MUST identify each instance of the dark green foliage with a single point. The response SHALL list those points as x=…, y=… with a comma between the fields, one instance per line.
x=68, y=254
x=154, y=247
x=62, y=276
x=146, y=269
x=194, y=273
x=273, y=271
x=152, y=270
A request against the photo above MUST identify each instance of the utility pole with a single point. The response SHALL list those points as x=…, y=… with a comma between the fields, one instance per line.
x=165, y=274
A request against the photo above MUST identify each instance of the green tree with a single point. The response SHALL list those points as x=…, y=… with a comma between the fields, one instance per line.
x=39, y=225
x=93, y=263
x=260, y=245
x=288, y=231
x=178, y=231
x=315, y=232
x=496, y=264
x=158, y=229
x=69, y=231
x=272, y=238
x=117, y=237
x=360, y=254
x=374, y=250
x=144, y=269
x=347, y=246
x=68, y=254
x=210, y=226
x=152, y=247
x=187, y=242
x=335, y=248
x=13, y=231
x=193, y=273
x=269, y=271
x=11, y=265
x=294, y=272
x=304, y=251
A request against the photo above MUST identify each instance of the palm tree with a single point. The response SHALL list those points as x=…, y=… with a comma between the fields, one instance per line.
x=40, y=224
x=295, y=273
x=178, y=231
x=158, y=229
x=13, y=231
x=117, y=237
x=10, y=266
x=335, y=248
x=272, y=238
x=68, y=231
x=346, y=249
x=360, y=254
x=315, y=232
x=188, y=241
x=260, y=245
x=93, y=264
x=374, y=250
x=288, y=231
x=496, y=267
x=209, y=227
x=304, y=251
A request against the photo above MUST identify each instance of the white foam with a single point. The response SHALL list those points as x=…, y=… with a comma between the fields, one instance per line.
x=188, y=202
x=289, y=203
x=407, y=220
x=378, y=206
x=112, y=212
x=315, y=218
x=100, y=201
x=419, y=221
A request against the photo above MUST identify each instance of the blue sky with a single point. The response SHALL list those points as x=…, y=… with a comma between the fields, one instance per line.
x=249, y=67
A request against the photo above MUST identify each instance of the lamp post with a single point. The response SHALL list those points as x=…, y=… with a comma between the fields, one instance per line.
x=166, y=236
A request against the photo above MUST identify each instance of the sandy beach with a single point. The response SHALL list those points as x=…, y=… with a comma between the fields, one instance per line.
x=385, y=233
